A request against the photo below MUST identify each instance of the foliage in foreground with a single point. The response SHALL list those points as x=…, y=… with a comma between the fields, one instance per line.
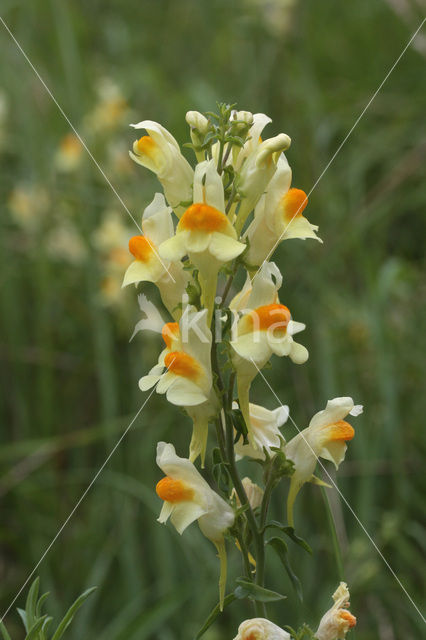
x=38, y=624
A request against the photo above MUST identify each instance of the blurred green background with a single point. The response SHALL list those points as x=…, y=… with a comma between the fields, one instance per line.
x=68, y=373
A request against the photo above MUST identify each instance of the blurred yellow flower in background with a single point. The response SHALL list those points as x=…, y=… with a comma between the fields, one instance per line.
x=70, y=153
x=29, y=204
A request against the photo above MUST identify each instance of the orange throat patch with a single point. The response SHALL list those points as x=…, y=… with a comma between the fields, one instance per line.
x=146, y=146
x=173, y=491
x=340, y=431
x=270, y=316
x=182, y=364
x=348, y=618
x=141, y=248
x=202, y=217
x=293, y=204
x=170, y=332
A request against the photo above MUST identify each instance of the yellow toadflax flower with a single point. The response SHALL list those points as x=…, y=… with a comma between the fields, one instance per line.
x=325, y=437
x=260, y=629
x=204, y=233
x=187, y=497
x=337, y=621
x=159, y=152
x=148, y=266
x=70, y=153
x=187, y=381
x=278, y=216
x=265, y=431
x=265, y=328
x=256, y=164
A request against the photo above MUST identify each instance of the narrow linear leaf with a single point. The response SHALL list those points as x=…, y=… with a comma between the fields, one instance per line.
x=214, y=614
x=40, y=603
x=66, y=620
x=23, y=617
x=31, y=603
x=4, y=632
x=281, y=549
x=289, y=531
x=247, y=589
x=33, y=632
x=43, y=630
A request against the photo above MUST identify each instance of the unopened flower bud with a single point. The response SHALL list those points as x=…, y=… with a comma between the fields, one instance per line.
x=281, y=142
x=253, y=491
x=244, y=118
x=196, y=120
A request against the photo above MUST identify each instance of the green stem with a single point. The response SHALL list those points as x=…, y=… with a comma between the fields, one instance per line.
x=231, y=199
x=227, y=152
x=220, y=438
x=220, y=157
x=228, y=284
x=245, y=554
x=231, y=389
x=265, y=503
x=332, y=527
x=257, y=536
x=226, y=447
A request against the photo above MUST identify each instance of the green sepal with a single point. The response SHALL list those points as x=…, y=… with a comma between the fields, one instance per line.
x=190, y=145
x=193, y=290
x=281, y=549
x=214, y=614
x=303, y=632
x=253, y=591
x=185, y=203
x=320, y=482
x=210, y=136
x=280, y=467
x=236, y=140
